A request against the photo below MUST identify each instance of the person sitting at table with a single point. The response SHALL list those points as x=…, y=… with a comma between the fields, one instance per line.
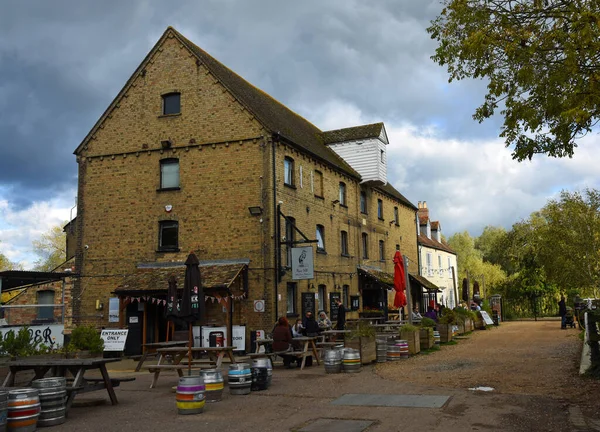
x=324, y=321
x=431, y=313
x=416, y=314
x=282, y=340
x=297, y=328
x=311, y=328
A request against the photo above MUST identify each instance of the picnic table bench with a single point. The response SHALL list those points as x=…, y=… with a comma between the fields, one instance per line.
x=150, y=349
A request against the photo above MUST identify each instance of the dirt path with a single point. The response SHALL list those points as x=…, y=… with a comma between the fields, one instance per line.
x=527, y=357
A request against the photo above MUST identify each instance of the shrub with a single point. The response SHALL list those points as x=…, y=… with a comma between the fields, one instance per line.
x=363, y=329
x=408, y=328
x=86, y=338
x=427, y=322
x=449, y=317
x=21, y=344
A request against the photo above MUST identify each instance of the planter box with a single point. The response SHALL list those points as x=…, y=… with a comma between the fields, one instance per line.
x=365, y=345
x=445, y=332
x=414, y=341
x=426, y=339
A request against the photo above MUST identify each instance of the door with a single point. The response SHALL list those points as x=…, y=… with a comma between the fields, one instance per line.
x=135, y=324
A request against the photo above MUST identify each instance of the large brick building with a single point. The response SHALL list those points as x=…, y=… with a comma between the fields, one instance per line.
x=191, y=157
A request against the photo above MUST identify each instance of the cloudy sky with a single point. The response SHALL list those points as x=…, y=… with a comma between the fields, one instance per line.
x=338, y=63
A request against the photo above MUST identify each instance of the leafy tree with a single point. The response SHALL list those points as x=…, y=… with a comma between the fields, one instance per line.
x=51, y=247
x=541, y=60
x=490, y=244
x=6, y=264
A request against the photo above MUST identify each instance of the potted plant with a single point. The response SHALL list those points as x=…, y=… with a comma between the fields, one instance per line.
x=411, y=334
x=426, y=333
x=362, y=338
x=465, y=319
x=85, y=342
x=444, y=325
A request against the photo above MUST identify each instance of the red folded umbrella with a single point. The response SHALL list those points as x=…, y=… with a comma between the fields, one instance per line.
x=399, y=281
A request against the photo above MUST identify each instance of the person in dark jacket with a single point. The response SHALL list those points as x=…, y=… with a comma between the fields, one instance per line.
x=562, y=311
x=311, y=328
x=431, y=313
x=341, y=315
x=282, y=340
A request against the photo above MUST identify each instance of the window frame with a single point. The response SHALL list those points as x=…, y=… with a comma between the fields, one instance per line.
x=318, y=184
x=381, y=250
x=396, y=216
x=363, y=203
x=288, y=172
x=342, y=194
x=365, y=245
x=380, y=209
x=162, y=225
x=344, y=243
x=166, y=162
x=164, y=98
x=322, y=299
x=42, y=313
x=320, y=231
x=294, y=289
x=429, y=261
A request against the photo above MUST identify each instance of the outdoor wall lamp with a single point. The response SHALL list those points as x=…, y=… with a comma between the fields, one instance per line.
x=334, y=202
x=165, y=144
x=255, y=210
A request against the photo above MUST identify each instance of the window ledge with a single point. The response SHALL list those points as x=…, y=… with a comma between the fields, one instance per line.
x=322, y=251
x=381, y=219
x=344, y=205
x=364, y=213
x=168, y=250
x=169, y=115
x=289, y=186
x=319, y=197
x=346, y=255
x=168, y=189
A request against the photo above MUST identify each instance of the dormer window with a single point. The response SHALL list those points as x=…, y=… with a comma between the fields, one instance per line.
x=171, y=103
x=382, y=156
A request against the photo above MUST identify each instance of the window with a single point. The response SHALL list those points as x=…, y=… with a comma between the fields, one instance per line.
x=171, y=103
x=319, y=184
x=322, y=300
x=380, y=209
x=290, y=237
x=291, y=298
x=363, y=202
x=429, y=264
x=449, y=268
x=169, y=173
x=440, y=269
x=381, y=250
x=396, y=218
x=45, y=297
x=365, y=245
x=346, y=295
x=320, y=238
x=354, y=303
x=343, y=194
x=168, y=236
x=288, y=171
x=382, y=156
x=344, y=242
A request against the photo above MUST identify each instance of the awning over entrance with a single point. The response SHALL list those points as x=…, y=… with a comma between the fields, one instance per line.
x=152, y=278
x=377, y=277
x=425, y=283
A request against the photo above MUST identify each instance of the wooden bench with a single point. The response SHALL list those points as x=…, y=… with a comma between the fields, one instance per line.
x=114, y=381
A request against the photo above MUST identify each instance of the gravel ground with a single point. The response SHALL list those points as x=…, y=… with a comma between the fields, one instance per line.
x=525, y=357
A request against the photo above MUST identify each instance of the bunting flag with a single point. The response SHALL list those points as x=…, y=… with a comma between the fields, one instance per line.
x=162, y=302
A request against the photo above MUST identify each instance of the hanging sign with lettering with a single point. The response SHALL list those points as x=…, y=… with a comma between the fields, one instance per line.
x=50, y=335
x=114, y=340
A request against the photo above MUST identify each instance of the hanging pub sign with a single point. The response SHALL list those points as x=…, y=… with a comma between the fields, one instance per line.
x=302, y=263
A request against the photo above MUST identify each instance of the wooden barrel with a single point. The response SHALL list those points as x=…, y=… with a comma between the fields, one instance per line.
x=332, y=359
x=265, y=363
x=260, y=379
x=213, y=383
x=436, y=337
x=53, y=398
x=23, y=410
x=351, y=360
x=3, y=410
x=239, y=378
x=190, y=395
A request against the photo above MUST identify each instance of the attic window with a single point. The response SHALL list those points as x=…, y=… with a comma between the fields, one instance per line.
x=382, y=156
x=171, y=103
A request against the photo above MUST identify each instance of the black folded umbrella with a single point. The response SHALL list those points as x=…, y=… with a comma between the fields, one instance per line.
x=172, y=300
x=190, y=300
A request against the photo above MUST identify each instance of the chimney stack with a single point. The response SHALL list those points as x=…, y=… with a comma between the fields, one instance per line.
x=423, y=211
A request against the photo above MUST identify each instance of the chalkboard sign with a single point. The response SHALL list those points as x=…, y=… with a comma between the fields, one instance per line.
x=333, y=307
x=354, y=303
x=308, y=303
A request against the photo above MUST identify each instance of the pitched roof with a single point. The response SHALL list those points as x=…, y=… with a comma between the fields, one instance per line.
x=391, y=190
x=423, y=219
x=425, y=241
x=353, y=133
x=435, y=225
x=424, y=282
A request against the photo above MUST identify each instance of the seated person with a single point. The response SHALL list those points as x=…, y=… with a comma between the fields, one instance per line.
x=311, y=328
x=324, y=321
x=297, y=328
x=431, y=313
x=416, y=314
x=282, y=340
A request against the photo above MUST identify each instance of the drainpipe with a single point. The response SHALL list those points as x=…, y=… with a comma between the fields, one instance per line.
x=276, y=237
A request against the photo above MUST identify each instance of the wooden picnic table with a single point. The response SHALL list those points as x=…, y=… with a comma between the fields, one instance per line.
x=215, y=354
x=307, y=342
x=61, y=367
x=333, y=334
x=262, y=342
x=150, y=350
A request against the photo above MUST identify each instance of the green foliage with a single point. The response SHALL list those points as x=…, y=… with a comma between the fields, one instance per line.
x=51, y=247
x=540, y=61
x=408, y=328
x=449, y=317
x=464, y=313
x=363, y=329
x=427, y=322
x=6, y=264
x=86, y=338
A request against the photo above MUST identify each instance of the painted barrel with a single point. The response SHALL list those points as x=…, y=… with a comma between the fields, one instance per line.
x=213, y=383
x=403, y=344
x=260, y=379
x=239, y=378
x=332, y=359
x=393, y=351
x=381, y=345
x=436, y=338
x=264, y=363
x=190, y=395
x=3, y=410
x=351, y=360
x=53, y=397
x=23, y=410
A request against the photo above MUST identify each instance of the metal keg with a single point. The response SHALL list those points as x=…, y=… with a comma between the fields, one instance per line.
x=393, y=351
x=3, y=410
x=239, y=378
x=213, y=383
x=436, y=338
x=381, y=345
x=332, y=359
x=403, y=345
x=190, y=397
x=264, y=363
x=53, y=398
x=351, y=360
x=23, y=410
x=260, y=379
